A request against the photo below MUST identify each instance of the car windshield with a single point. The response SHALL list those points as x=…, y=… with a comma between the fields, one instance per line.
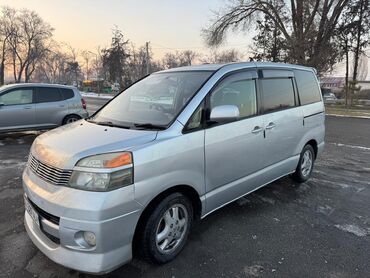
x=154, y=102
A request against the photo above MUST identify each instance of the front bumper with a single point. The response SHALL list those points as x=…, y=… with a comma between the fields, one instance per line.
x=65, y=212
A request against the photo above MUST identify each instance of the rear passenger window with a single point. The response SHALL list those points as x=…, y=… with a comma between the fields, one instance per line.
x=234, y=90
x=308, y=88
x=277, y=94
x=67, y=93
x=45, y=94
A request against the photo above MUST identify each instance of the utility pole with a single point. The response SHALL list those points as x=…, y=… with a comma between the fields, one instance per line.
x=147, y=57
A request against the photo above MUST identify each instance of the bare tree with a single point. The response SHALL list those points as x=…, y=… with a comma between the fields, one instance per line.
x=86, y=55
x=28, y=43
x=138, y=60
x=225, y=56
x=189, y=56
x=7, y=27
x=353, y=37
x=73, y=67
x=179, y=59
x=362, y=24
x=307, y=26
x=52, y=68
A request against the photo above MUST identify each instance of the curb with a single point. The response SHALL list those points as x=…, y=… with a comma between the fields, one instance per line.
x=348, y=116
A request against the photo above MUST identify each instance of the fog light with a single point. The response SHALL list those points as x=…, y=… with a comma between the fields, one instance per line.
x=90, y=238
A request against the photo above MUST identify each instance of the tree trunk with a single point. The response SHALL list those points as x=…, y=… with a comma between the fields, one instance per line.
x=275, y=47
x=2, y=64
x=2, y=73
x=347, y=69
x=358, y=42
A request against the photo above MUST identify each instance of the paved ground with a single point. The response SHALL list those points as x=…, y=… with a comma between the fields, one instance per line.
x=94, y=104
x=317, y=229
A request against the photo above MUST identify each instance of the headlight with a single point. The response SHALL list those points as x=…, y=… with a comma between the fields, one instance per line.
x=103, y=172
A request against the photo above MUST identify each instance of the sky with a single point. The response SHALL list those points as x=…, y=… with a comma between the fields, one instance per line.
x=168, y=25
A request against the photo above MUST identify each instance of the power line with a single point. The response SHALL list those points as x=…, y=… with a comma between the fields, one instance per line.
x=159, y=46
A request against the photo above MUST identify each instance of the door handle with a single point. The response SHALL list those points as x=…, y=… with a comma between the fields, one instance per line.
x=271, y=125
x=257, y=129
x=27, y=107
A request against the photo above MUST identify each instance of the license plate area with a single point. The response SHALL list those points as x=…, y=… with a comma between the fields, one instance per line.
x=31, y=211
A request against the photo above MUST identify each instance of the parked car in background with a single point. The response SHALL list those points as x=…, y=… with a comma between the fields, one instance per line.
x=329, y=97
x=173, y=148
x=39, y=106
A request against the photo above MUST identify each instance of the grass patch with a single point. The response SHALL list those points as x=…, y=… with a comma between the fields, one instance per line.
x=352, y=111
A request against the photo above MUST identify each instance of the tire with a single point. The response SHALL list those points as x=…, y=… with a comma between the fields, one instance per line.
x=70, y=119
x=305, y=165
x=162, y=223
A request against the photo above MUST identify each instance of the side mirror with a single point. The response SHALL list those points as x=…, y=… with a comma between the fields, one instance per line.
x=224, y=113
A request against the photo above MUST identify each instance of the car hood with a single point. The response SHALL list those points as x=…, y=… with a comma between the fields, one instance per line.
x=64, y=146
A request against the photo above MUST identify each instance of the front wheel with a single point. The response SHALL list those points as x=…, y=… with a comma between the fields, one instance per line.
x=166, y=230
x=305, y=165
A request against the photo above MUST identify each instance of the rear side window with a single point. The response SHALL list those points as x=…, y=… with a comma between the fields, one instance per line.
x=67, y=93
x=308, y=88
x=277, y=94
x=45, y=94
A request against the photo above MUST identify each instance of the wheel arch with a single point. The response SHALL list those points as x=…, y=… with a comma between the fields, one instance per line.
x=313, y=143
x=187, y=190
x=68, y=115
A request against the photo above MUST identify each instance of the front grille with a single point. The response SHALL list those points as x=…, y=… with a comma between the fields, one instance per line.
x=48, y=173
x=51, y=237
x=50, y=217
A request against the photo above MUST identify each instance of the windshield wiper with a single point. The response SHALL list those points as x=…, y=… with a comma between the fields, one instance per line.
x=150, y=126
x=107, y=123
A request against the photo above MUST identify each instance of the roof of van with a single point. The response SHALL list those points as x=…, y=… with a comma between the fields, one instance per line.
x=35, y=84
x=215, y=67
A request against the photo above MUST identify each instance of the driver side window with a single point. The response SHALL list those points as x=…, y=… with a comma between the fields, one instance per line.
x=16, y=97
x=238, y=91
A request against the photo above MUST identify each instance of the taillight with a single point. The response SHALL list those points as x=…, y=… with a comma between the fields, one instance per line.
x=83, y=103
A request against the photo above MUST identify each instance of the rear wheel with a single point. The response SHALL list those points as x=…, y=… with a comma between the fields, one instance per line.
x=166, y=230
x=305, y=165
x=71, y=119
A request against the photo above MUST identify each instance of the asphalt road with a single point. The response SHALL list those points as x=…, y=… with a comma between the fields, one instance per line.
x=93, y=104
x=320, y=228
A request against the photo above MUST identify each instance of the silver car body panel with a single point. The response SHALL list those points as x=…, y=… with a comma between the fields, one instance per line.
x=39, y=115
x=56, y=146
x=221, y=164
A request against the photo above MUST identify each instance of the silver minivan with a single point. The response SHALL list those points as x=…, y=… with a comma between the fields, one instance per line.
x=169, y=150
x=39, y=106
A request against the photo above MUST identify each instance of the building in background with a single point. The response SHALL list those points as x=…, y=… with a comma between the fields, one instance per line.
x=335, y=84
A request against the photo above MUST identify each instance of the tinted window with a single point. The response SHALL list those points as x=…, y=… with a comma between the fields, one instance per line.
x=308, y=88
x=45, y=94
x=17, y=96
x=67, y=93
x=235, y=91
x=277, y=94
